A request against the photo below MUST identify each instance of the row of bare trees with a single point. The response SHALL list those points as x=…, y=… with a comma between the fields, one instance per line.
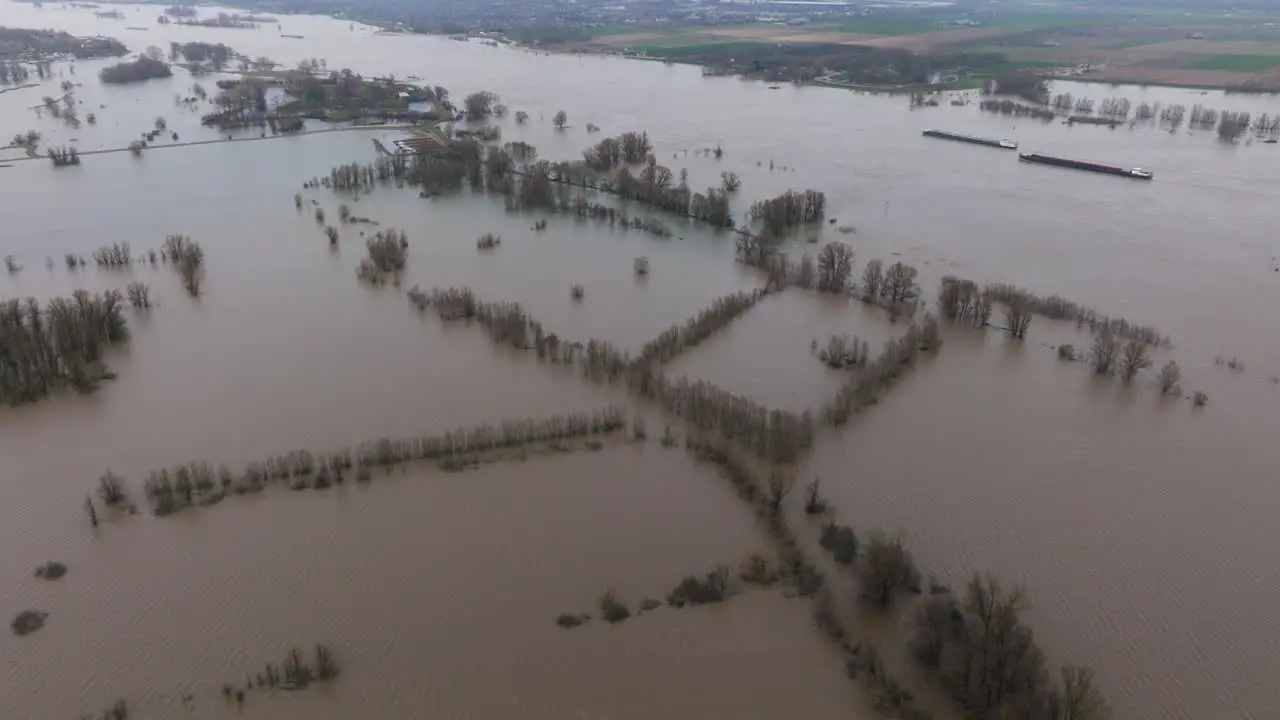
x=629, y=148
x=169, y=490
x=675, y=340
x=899, y=356
x=965, y=301
x=58, y=345
x=359, y=177
x=894, y=287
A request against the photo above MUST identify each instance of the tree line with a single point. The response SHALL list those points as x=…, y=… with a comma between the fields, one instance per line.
x=199, y=483
x=964, y=300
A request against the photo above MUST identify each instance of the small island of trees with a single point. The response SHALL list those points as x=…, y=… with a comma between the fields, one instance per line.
x=143, y=68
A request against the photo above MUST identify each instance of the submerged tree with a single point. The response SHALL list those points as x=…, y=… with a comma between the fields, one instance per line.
x=1170, y=377
x=1018, y=317
x=479, y=104
x=835, y=265
x=1133, y=360
x=139, y=295
x=886, y=567
x=1106, y=347
x=900, y=283
x=872, y=280
x=560, y=120
x=188, y=257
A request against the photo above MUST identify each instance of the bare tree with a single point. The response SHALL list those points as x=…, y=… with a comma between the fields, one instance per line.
x=1103, y=354
x=1017, y=317
x=887, y=566
x=1170, y=377
x=780, y=483
x=479, y=104
x=813, y=502
x=560, y=120
x=872, y=279
x=139, y=295
x=1080, y=699
x=1133, y=360
x=899, y=282
x=835, y=265
x=730, y=181
x=521, y=117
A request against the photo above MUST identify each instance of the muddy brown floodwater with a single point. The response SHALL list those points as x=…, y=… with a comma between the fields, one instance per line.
x=1143, y=529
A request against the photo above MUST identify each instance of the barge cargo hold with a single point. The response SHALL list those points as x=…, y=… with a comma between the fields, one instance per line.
x=1137, y=173
x=1002, y=144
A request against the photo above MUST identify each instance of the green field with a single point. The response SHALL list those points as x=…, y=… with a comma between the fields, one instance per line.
x=676, y=50
x=1236, y=63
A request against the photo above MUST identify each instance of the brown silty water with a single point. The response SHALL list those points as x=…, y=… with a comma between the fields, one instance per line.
x=1140, y=526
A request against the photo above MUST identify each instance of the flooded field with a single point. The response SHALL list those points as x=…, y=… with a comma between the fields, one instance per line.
x=1139, y=523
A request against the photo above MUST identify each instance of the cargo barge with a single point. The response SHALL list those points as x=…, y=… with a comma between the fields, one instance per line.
x=1002, y=144
x=1137, y=173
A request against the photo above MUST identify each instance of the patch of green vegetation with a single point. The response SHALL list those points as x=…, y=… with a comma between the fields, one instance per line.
x=676, y=50
x=1236, y=63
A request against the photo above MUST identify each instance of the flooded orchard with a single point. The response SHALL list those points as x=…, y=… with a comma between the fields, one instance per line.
x=1138, y=522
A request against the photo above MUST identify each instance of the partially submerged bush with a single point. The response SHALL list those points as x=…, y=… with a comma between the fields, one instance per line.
x=51, y=570
x=567, y=620
x=756, y=570
x=841, y=541
x=692, y=590
x=613, y=610
x=112, y=490
x=27, y=622
x=1199, y=399
x=488, y=241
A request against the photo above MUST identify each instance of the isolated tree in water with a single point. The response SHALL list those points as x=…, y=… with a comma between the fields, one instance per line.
x=835, y=265
x=560, y=120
